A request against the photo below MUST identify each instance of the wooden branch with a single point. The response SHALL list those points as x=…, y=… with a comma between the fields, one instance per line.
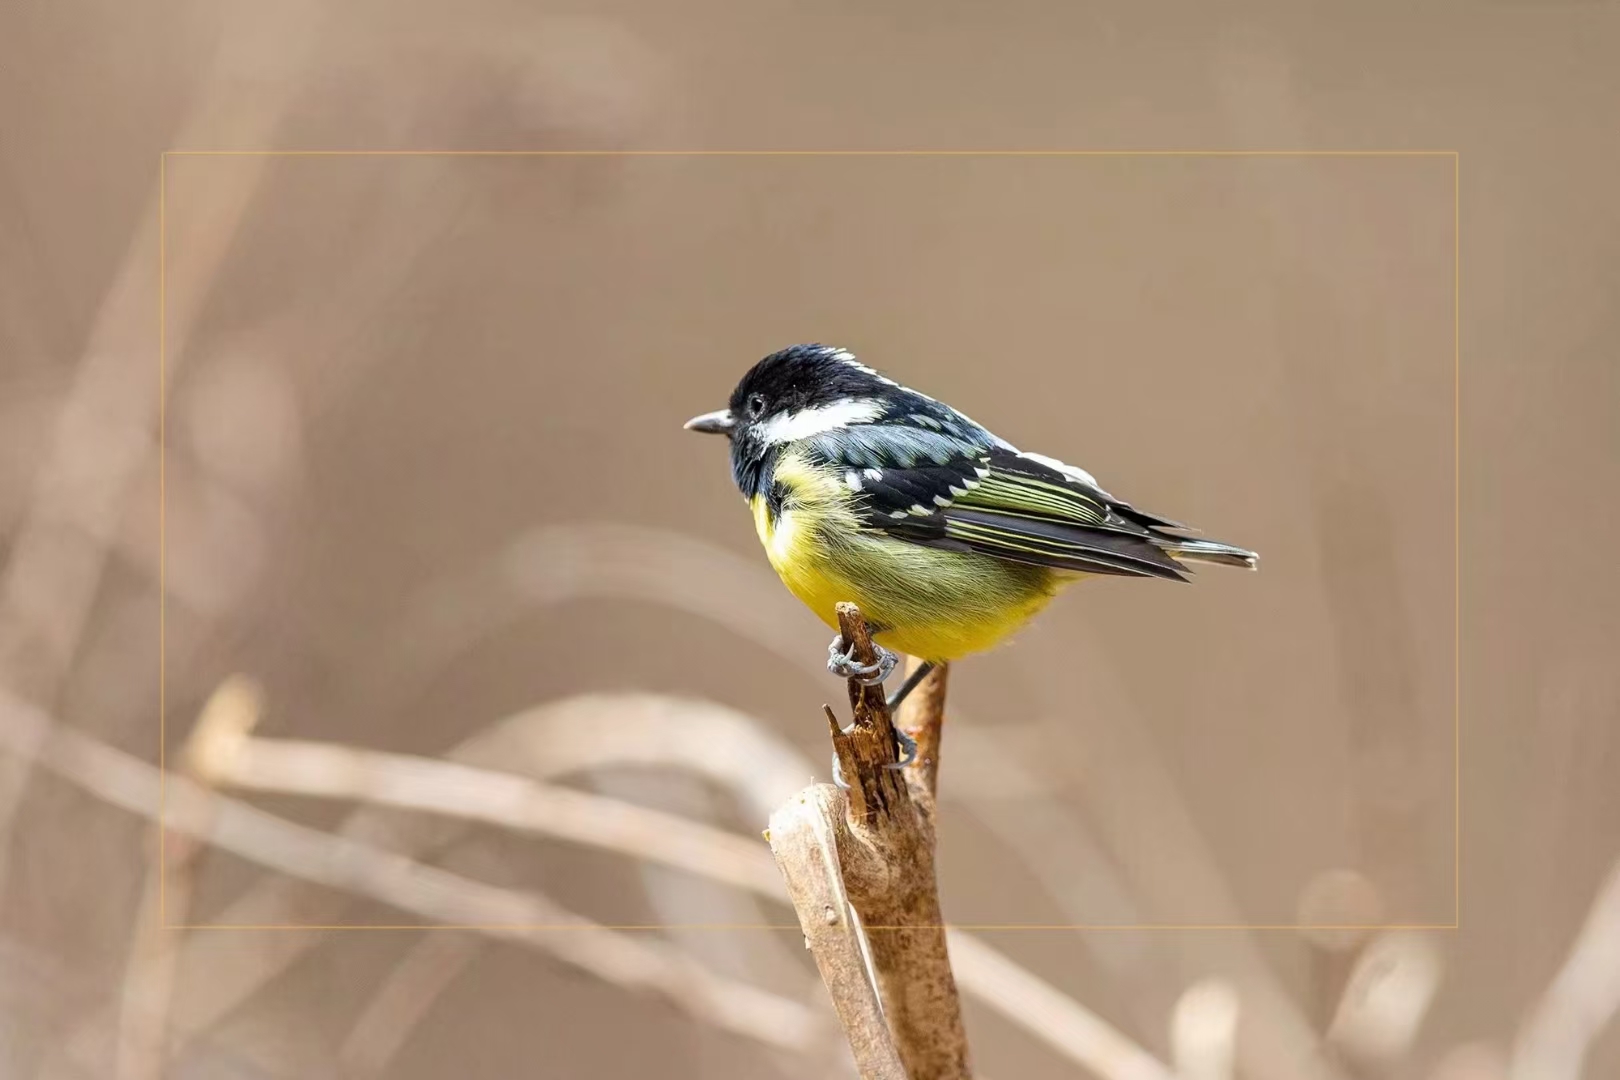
x=804, y=838
x=884, y=847
x=900, y=908
x=867, y=747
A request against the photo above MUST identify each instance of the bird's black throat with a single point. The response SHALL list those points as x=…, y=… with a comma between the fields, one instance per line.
x=753, y=466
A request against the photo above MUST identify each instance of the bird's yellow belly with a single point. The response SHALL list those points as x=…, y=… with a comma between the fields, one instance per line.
x=938, y=605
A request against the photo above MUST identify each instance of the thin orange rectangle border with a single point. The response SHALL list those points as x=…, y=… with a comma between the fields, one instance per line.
x=1457, y=527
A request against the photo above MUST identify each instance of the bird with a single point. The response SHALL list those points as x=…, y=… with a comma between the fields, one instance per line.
x=947, y=536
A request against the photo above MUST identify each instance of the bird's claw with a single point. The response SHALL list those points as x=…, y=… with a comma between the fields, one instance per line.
x=841, y=662
x=908, y=749
x=908, y=755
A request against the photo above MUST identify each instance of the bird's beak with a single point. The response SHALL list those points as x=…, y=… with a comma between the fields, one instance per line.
x=719, y=422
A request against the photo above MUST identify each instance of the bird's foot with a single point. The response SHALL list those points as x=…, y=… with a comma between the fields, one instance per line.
x=841, y=662
x=908, y=749
x=908, y=755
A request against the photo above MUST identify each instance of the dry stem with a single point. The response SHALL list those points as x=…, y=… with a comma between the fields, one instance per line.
x=877, y=847
x=338, y=862
x=1063, y=1023
x=149, y=982
x=922, y=716
x=582, y=734
x=325, y=770
x=1203, y=1030
x=1583, y=998
x=393, y=1013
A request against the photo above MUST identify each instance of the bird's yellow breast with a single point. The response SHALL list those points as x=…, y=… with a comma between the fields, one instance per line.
x=935, y=604
x=793, y=536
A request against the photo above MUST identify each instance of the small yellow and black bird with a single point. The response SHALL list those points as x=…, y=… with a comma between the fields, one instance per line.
x=947, y=536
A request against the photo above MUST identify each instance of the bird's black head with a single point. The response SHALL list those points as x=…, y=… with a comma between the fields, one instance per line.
x=803, y=377
x=790, y=394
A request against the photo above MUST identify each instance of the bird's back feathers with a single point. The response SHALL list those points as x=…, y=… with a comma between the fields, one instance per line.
x=951, y=485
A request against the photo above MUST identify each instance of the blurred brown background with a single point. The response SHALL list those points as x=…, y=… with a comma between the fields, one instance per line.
x=425, y=470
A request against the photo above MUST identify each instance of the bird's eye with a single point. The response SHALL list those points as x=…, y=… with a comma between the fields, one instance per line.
x=756, y=406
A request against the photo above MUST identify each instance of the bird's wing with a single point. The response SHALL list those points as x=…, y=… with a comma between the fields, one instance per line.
x=957, y=490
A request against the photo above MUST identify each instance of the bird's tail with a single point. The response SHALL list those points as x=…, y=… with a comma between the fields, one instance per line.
x=1211, y=551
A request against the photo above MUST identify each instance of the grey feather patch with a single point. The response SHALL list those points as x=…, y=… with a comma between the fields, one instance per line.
x=881, y=445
